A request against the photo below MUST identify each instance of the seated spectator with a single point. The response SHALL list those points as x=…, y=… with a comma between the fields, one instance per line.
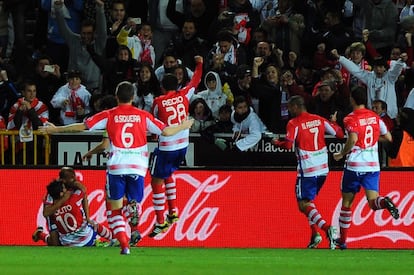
x=332, y=75
x=214, y=95
x=222, y=125
x=201, y=114
x=306, y=76
x=188, y=44
x=138, y=39
x=26, y=115
x=72, y=99
x=329, y=103
x=380, y=108
x=225, y=56
x=146, y=88
x=241, y=85
x=247, y=126
x=170, y=61
x=181, y=73
x=122, y=68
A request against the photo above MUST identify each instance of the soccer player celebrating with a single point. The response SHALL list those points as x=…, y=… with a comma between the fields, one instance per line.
x=172, y=109
x=362, y=169
x=307, y=132
x=127, y=128
x=69, y=217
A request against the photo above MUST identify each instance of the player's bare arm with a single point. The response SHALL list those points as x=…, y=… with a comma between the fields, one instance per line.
x=97, y=149
x=172, y=130
x=350, y=142
x=386, y=138
x=49, y=210
x=49, y=128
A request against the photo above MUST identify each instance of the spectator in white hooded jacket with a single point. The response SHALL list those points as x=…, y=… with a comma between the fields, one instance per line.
x=247, y=126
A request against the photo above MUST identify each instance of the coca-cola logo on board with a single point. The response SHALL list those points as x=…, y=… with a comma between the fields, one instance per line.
x=384, y=224
x=197, y=220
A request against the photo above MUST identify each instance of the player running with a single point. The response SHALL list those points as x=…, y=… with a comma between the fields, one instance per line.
x=307, y=132
x=362, y=169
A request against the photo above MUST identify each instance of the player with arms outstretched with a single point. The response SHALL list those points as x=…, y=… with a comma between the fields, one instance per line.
x=172, y=109
x=307, y=131
x=362, y=169
x=127, y=166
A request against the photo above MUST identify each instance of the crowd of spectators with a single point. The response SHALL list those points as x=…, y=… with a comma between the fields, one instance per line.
x=263, y=50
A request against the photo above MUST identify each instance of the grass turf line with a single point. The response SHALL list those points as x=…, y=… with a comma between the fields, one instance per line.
x=94, y=260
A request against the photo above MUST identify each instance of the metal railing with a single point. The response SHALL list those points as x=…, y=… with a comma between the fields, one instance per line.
x=13, y=136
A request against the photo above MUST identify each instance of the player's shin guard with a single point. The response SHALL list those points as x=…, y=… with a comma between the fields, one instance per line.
x=118, y=226
x=171, y=192
x=345, y=219
x=158, y=199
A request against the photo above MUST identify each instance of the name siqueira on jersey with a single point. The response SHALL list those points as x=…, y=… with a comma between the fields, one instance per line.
x=127, y=118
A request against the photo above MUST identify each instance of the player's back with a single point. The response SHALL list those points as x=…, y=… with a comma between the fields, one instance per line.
x=172, y=109
x=364, y=155
x=127, y=126
x=310, y=134
x=366, y=124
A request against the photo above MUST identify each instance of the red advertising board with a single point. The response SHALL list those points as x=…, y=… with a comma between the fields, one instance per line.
x=223, y=209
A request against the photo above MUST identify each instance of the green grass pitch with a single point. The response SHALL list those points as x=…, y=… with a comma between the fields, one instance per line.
x=99, y=260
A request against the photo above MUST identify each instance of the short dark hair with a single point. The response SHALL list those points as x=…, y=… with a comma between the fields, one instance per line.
x=54, y=189
x=88, y=23
x=124, y=92
x=359, y=95
x=66, y=171
x=296, y=100
x=384, y=105
x=169, y=82
x=225, y=109
x=239, y=99
x=108, y=102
